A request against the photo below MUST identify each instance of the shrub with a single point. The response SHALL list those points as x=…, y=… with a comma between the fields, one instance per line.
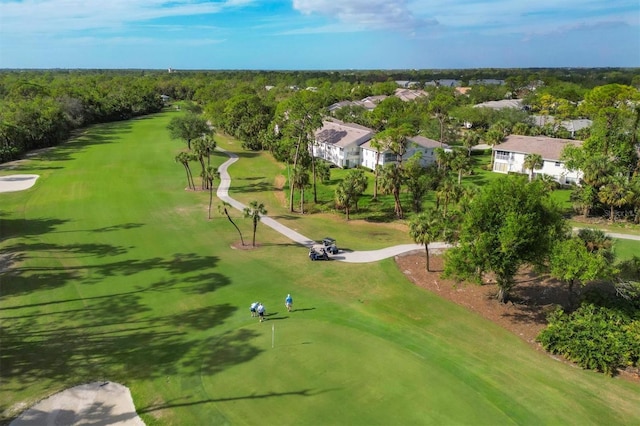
x=596, y=338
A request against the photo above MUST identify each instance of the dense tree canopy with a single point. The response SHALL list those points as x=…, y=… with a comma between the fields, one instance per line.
x=510, y=223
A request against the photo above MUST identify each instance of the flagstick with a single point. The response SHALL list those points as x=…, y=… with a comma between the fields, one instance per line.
x=273, y=335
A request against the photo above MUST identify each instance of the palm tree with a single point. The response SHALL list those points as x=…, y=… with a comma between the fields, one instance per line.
x=209, y=145
x=596, y=241
x=211, y=174
x=349, y=191
x=426, y=228
x=447, y=192
x=443, y=159
x=615, y=193
x=200, y=150
x=300, y=180
x=378, y=144
x=493, y=137
x=254, y=211
x=531, y=162
x=223, y=209
x=520, y=128
x=461, y=164
x=470, y=139
x=343, y=198
x=391, y=182
x=184, y=158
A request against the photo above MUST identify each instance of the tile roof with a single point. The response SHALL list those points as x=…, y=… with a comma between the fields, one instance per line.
x=408, y=94
x=547, y=148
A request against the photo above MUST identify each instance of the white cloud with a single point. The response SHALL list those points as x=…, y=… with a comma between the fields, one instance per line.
x=490, y=17
x=540, y=16
x=56, y=16
x=366, y=14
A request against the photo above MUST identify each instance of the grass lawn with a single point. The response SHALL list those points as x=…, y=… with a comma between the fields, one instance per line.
x=115, y=273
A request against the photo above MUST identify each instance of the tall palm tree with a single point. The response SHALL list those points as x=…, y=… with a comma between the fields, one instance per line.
x=184, y=158
x=379, y=145
x=255, y=211
x=200, y=150
x=210, y=175
x=531, y=162
x=223, y=209
x=300, y=180
x=426, y=228
x=209, y=145
x=391, y=183
x=461, y=164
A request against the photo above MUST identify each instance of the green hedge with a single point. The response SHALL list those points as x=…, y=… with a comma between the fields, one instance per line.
x=594, y=337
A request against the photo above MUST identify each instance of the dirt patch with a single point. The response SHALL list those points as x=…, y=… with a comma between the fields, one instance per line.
x=278, y=192
x=533, y=297
x=247, y=246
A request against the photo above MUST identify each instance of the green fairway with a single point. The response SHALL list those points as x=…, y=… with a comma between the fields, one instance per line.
x=111, y=271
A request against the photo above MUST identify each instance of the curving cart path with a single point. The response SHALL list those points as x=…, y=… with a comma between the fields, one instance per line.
x=343, y=256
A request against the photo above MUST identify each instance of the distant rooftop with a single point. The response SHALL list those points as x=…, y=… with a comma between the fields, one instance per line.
x=504, y=103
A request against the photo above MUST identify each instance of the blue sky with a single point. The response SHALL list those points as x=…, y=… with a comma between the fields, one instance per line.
x=318, y=34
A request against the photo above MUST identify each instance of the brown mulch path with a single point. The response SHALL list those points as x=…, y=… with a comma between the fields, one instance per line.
x=533, y=297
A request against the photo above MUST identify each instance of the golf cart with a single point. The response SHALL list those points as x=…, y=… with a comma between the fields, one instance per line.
x=318, y=252
x=330, y=245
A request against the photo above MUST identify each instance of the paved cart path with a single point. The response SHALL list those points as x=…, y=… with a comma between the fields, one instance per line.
x=343, y=256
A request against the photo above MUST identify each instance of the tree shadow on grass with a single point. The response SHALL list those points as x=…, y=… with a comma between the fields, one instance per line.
x=189, y=272
x=120, y=338
x=176, y=403
x=252, y=187
x=118, y=335
x=247, y=154
x=28, y=227
x=79, y=140
x=203, y=318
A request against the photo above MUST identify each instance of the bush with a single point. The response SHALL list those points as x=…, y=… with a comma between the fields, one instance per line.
x=596, y=338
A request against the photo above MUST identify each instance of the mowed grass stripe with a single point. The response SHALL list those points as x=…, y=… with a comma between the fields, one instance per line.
x=120, y=276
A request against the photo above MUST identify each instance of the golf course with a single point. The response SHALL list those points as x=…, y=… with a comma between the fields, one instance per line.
x=111, y=271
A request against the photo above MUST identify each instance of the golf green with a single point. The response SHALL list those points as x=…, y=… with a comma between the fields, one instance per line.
x=112, y=271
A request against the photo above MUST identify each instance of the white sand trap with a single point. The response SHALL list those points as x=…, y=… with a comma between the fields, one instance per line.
x=17, y=182
x=98, y=403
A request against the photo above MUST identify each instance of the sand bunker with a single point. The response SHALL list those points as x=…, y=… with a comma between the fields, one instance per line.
x=17, y=182
x=98, y=403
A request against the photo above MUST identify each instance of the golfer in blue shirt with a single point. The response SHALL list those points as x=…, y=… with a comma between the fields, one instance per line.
x=288, y=302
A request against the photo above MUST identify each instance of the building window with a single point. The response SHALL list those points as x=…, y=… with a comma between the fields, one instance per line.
x=558, y=163
x=502, y=155
x=500, y=167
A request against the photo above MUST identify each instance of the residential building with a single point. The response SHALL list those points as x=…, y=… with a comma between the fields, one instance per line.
x=409, y=94
x=339, y=143
x=425, y=146
x=509, y=157
x=572, y=126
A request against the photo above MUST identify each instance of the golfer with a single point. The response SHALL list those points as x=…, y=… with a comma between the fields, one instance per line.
x=260, y=310
x=288, y=302
x=253, y=308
